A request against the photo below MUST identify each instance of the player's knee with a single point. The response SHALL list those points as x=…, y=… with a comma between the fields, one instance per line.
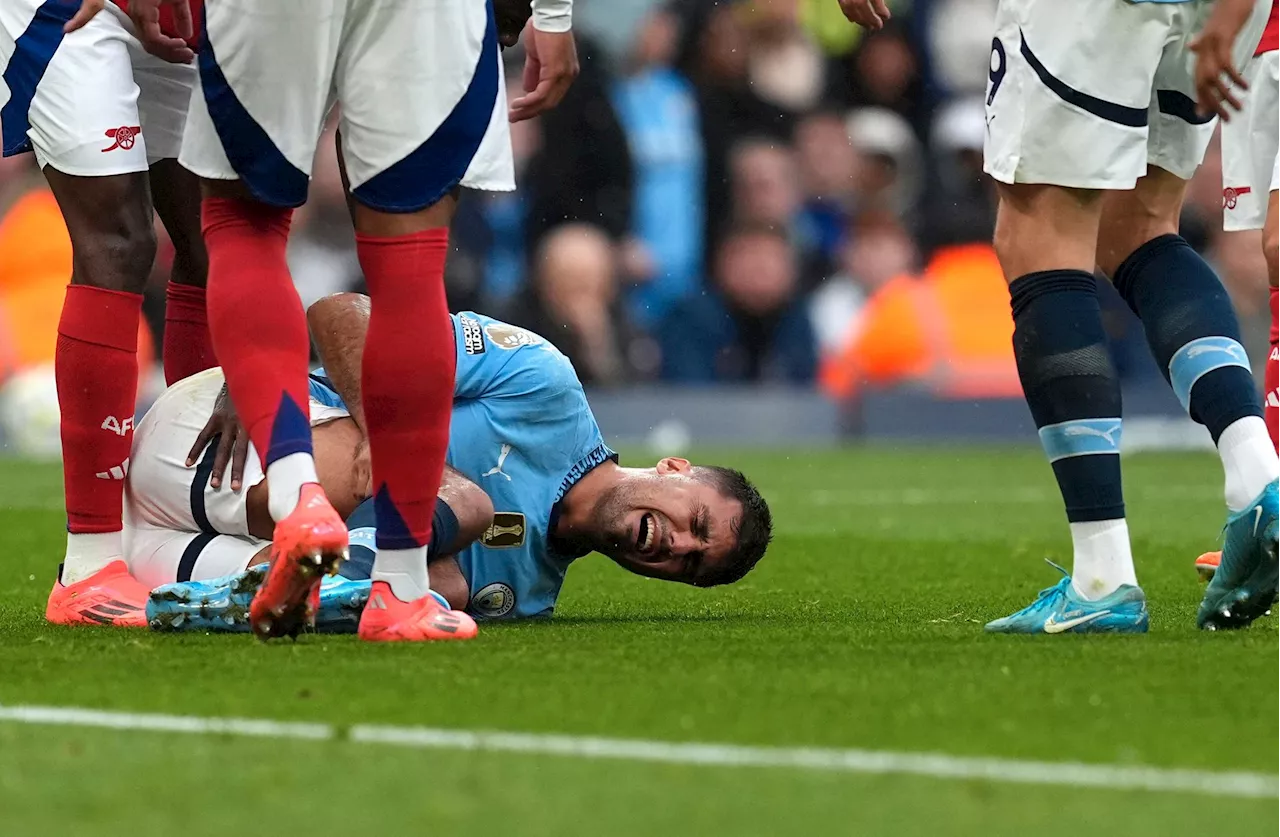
x=119, y=257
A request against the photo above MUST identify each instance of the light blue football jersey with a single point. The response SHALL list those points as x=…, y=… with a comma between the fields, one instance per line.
x=522, y=430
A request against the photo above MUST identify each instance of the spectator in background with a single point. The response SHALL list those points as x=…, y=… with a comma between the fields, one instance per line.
x=828, y=171
x=767, y=193
x=752, y=326
x=892, y=162
x=574, y=294
x=958, y=37
x=947, y=330
x=962, y=200
x=876, y=250
x=784, y=67
x=884, y=71
x=659, y=112
x=581, y=171
x=713, y=55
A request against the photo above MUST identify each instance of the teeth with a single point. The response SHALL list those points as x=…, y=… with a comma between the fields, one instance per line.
x=648, y=534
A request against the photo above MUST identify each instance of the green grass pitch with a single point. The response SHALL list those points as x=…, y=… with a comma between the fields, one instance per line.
x=861, y=629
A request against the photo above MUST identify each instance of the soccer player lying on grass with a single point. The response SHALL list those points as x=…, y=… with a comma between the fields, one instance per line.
x=532, y=486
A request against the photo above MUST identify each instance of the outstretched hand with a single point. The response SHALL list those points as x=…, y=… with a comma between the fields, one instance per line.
x=550, y=66
x=867, y=13
x=1215, y=70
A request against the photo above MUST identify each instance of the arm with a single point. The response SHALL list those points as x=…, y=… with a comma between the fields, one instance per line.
x=338, y=326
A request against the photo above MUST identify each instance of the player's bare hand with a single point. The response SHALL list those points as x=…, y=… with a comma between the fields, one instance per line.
x=145, y=15
x=870, y=14
x=550, y=66
x=88, y=8
x=1218, y=82
x=511, y=17
x=233, y=443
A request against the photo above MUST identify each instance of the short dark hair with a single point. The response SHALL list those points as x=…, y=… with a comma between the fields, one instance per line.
x=753, y=530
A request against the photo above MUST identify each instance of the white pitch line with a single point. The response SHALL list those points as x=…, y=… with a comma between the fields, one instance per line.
x=931, y=765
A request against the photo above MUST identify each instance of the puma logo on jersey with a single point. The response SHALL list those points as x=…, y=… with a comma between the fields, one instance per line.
x=117, y=472
x=124, y=136
x=502, y=460
x=116, y=426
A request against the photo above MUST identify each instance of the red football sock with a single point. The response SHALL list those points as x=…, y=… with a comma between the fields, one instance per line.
x=1272, y=379
x=256, y=320
x=407, y=379
x=187, y=346
x=96, y=364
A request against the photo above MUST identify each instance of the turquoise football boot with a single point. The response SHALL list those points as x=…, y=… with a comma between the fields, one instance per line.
x=221, y=605
x=1244, y=585
x=1060, y=610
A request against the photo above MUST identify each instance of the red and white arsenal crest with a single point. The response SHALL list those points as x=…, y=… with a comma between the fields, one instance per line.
x=124, y=137
x=1231, y=194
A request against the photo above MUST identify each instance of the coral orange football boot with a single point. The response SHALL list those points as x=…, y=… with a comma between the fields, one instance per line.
x=308, y=544
x=389, y=619
x=1207, y=565
x=108, y=597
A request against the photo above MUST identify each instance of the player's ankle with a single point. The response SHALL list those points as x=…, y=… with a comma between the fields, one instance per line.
x=88, y=553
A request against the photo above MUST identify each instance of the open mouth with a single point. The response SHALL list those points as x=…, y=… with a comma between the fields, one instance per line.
x=647, y=533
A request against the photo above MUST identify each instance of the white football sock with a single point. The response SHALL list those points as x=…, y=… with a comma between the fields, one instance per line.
x=86, y=554
x=1103, y=560
x=404, y=569
x=285, y=478
x=1248, y=460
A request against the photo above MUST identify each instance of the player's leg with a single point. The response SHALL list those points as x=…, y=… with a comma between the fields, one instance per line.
x=403, y=161
x=72, y=99
x=163, y=99
x=1061, y=130
x=253, y=145
x=1270, y=245
x=188, y=346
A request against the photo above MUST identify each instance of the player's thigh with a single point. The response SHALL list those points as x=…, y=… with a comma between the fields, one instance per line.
x=408, y=143
x=1250, y=142
x=162, y=556
x=1068, y=91
x=164, y=96
x=1271, y=230
x=163, y=493
x=265, y=88
x=70, y=98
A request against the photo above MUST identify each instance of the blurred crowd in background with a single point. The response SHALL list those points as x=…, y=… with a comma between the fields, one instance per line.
x=733, y=191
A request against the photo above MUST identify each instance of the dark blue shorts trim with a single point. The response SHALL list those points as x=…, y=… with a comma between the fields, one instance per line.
x=1101, y=108
x=32, y=52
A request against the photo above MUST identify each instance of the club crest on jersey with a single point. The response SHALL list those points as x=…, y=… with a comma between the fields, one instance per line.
x=116, y=426
x=472, y=336
x=511, y=337
x=506, y=532
x=493, y=601
x=1232, y=194
x=124, y=137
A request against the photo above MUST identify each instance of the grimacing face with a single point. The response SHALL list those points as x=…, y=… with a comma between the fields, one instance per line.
x=666, y=524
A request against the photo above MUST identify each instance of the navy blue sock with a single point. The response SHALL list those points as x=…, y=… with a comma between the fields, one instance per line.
x=1191, y=329
x=362, y=526
x=1071, y=387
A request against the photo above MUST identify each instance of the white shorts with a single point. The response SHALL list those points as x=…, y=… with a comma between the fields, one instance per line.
x=1250, y=142
x=1087, y=93
x=177, y=528
x=418, y=83
x=92, y=103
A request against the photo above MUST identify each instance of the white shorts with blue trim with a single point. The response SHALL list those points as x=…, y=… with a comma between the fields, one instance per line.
x=418, y=84
x=1087, y=93
x=92, y=103
x=178, y=528
x=1250, y=146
